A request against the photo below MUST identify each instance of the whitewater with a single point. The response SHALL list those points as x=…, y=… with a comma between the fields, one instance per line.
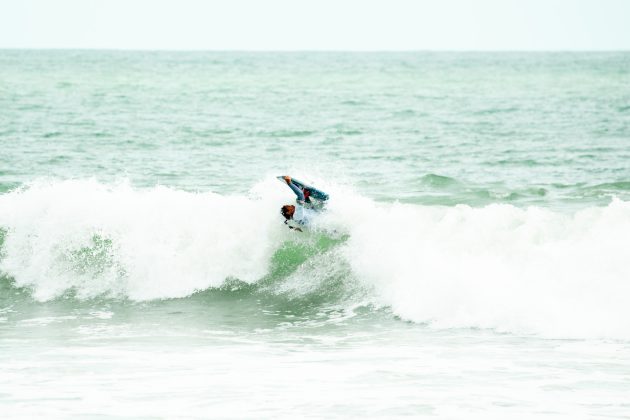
x=472, y=261
x=526, y=270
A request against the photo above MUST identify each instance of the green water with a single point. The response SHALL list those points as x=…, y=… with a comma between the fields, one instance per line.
x=525, y=128
x=472, y=261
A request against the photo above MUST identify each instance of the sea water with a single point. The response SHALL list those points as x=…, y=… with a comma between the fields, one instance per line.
x=473, y=260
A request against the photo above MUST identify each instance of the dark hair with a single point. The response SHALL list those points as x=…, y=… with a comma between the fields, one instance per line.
x=285, y=211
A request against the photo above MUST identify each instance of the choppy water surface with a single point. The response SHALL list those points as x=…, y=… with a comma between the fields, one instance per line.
x=473, y=260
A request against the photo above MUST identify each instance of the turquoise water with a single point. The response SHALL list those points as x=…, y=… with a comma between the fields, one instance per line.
x=542, y=127
x=472, y=261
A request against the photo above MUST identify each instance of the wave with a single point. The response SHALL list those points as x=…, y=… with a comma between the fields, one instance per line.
x=437, y=181
x=502, y=267
x=609, y=187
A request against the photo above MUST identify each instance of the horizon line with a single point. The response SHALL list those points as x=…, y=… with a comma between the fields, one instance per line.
x=244, y=50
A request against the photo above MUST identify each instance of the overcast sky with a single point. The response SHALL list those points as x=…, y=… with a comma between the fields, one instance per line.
x=317, y=24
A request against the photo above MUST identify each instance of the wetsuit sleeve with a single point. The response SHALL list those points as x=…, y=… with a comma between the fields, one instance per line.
x=297, y=191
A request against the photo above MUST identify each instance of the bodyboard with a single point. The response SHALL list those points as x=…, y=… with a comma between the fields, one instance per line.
x=315, y=193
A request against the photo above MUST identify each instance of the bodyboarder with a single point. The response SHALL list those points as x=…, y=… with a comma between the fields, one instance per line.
x=305, y=210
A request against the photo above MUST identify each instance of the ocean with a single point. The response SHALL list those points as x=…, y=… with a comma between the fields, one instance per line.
x=473, y=260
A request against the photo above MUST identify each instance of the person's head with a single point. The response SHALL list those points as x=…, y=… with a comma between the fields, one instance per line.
x=287, y=211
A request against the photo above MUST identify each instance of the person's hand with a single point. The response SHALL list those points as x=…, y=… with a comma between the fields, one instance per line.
x=287, y=179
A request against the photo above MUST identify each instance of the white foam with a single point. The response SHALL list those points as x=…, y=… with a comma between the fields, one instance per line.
x=519, y=270
x=164, y=243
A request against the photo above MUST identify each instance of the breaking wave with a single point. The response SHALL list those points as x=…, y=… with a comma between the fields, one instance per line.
x=510, y=269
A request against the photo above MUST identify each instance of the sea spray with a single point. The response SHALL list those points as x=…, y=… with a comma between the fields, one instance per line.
x=521, y=270
x=156, y=243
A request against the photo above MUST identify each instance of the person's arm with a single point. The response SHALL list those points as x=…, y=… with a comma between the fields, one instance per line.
x=298, y=192
x=286, y=222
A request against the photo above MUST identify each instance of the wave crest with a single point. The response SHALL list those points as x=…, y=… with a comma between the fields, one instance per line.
x=116, y=240
x=529, y=270
x=521, y=270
